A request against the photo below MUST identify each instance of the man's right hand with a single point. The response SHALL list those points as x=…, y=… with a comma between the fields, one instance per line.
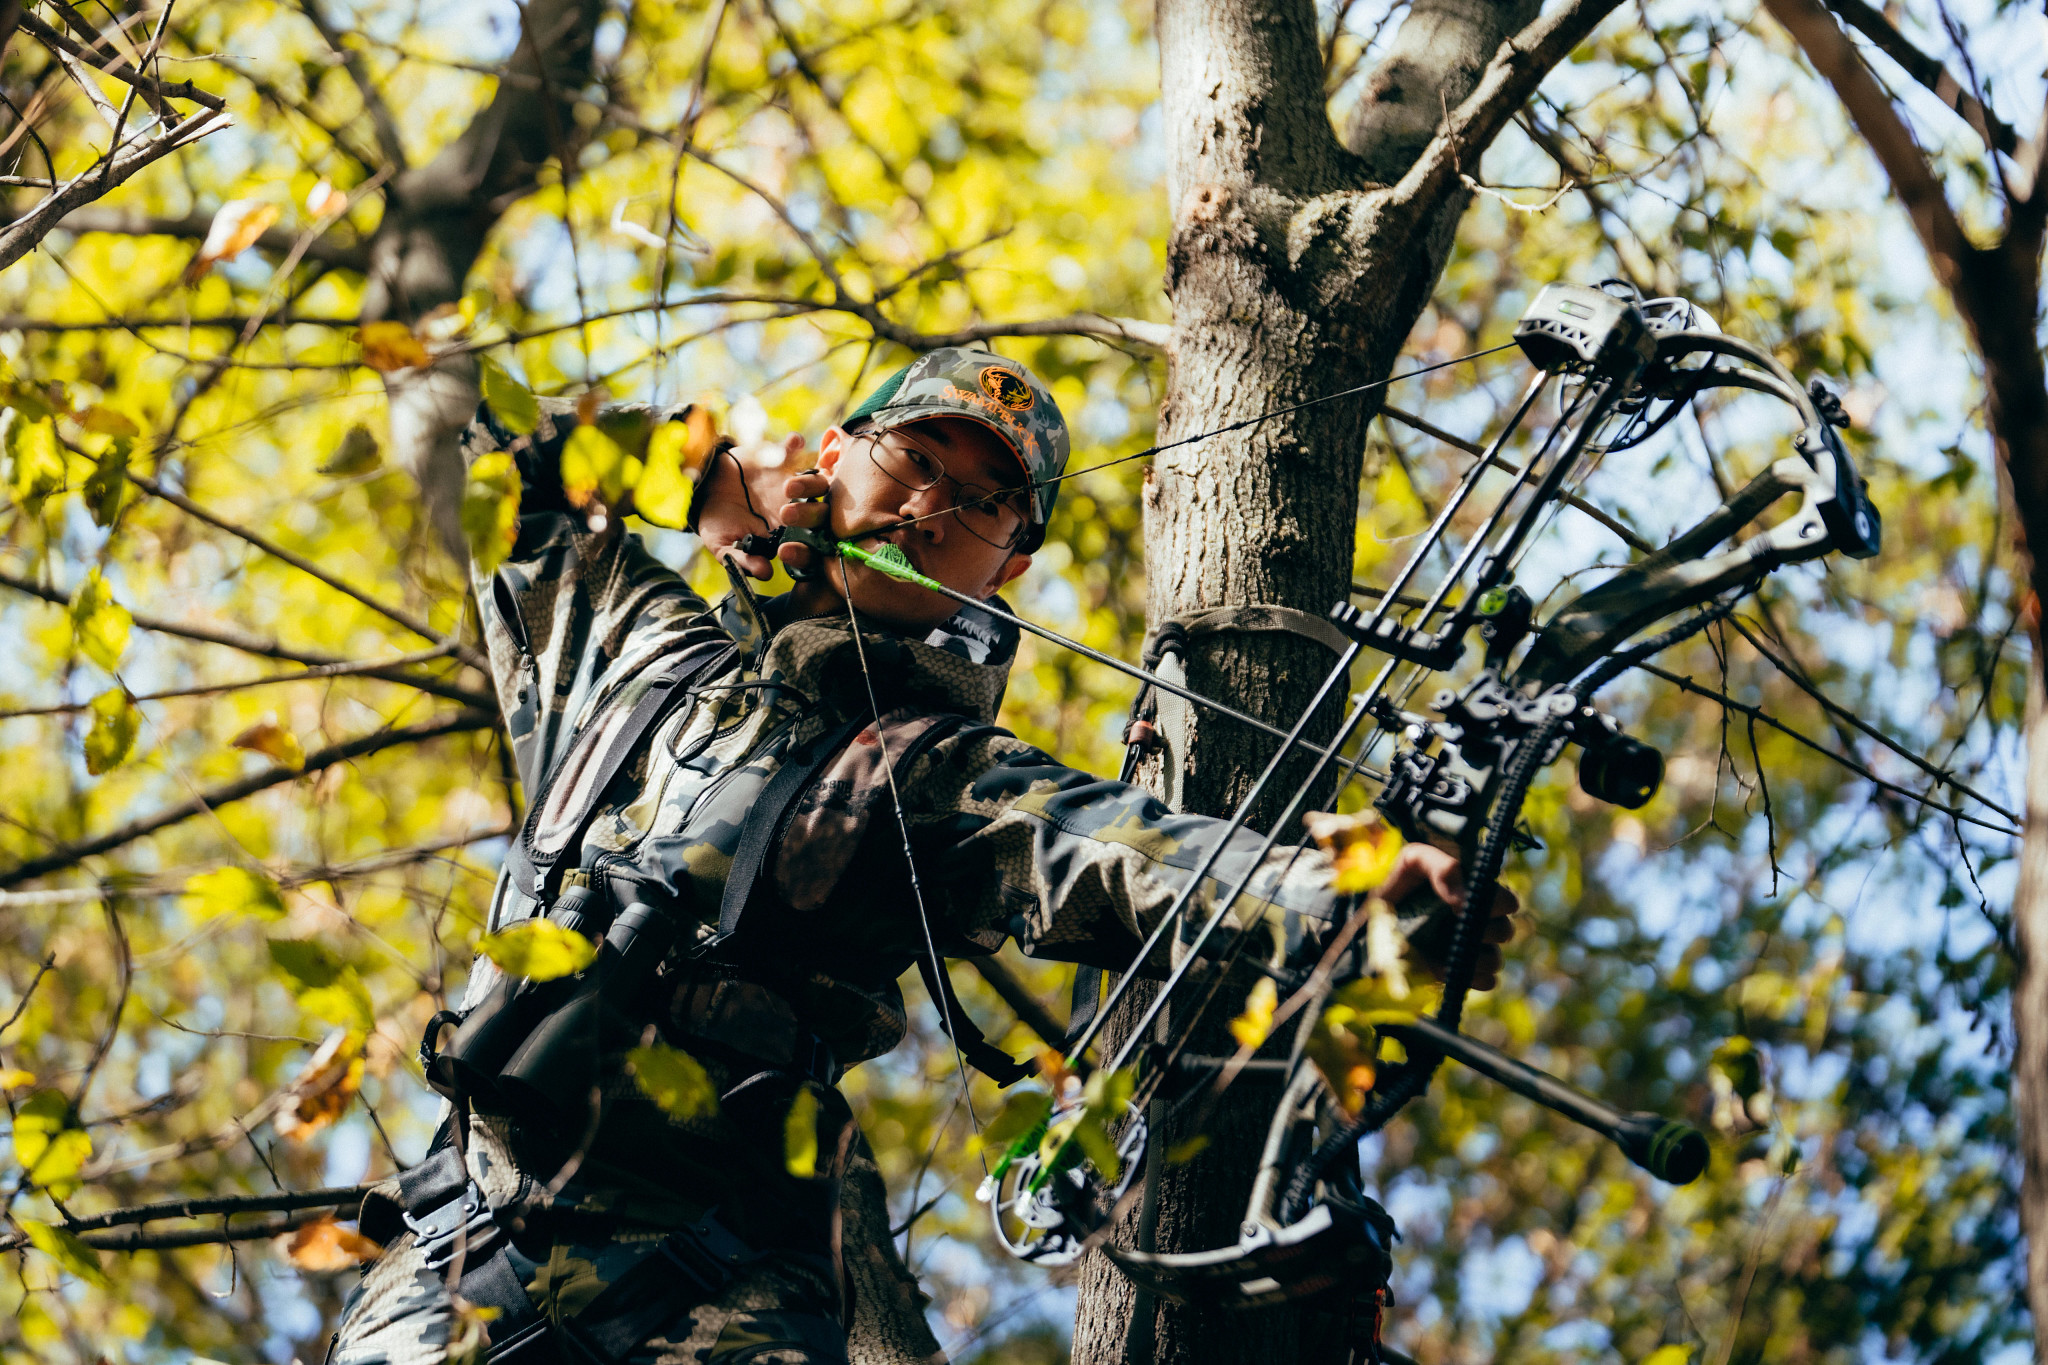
x=749, y=494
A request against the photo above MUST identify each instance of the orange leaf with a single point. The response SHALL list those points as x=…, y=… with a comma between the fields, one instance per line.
x=236, y=226
x=266, y=736
x=323, y=1090
x=324, y=1244
x=588, y=404
x=323, y=200
x=389, y=346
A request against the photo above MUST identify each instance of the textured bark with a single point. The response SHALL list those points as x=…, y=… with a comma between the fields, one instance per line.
x=1297, y=266
x=889, y=1326
x=2030, y=1013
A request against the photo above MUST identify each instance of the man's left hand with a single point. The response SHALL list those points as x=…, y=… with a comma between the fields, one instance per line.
x=1420, y=869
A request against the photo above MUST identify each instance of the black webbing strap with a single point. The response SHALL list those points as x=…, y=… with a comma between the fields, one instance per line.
x=666, y=691
x=765, y=823
x=1086, y=999
x=979, y=1053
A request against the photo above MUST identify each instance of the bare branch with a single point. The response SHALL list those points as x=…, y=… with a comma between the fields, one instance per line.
x=140, y=1240
x=21, y=236
x=120, y=70
x=1507, y=83
x=339, y=1196
x=268, y=648
x=1994, y=133
x=388, y=140
x=69, y=855
x=228, y=322
x=1913, y=180
x=343, y=670
x=306, y=566
x=1031, y=1011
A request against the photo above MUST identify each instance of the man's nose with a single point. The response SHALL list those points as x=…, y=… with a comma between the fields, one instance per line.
x=928, y=503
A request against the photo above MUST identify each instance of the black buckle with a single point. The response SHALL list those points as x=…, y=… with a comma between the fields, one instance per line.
x=708, y=1252
x=461, y=1221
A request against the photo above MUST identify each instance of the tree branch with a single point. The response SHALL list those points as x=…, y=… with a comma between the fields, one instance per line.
x=21, y=236
x=1994, y=133
x=120, y=70
x=306, y=566
x=269, y=648
x=1913, y=180
x=1507, y=83
x=195, y=226
x=339, y=1196
x=137, y=1239
x=69, y=855
x=388, y=140
x=1030, y=1010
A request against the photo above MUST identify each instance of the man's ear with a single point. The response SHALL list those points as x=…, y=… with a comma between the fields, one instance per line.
x=830, y=447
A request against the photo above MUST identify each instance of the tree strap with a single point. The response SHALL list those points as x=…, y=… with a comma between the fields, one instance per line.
x=1258, y=618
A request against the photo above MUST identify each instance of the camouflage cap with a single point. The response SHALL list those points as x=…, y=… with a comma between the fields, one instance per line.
x=958, y=381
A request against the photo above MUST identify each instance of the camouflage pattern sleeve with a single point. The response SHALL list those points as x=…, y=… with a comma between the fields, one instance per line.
x=572, y=612
x=1080, y=868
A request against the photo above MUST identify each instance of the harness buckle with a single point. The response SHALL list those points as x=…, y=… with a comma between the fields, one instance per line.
x=464, y=1219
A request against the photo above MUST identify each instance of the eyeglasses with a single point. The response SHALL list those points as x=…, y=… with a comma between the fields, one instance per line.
x=996, y=516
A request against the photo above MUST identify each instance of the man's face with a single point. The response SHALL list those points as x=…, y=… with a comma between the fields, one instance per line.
x=865, y=498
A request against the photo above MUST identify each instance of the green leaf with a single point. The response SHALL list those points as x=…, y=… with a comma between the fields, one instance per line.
x=513, y=403
x=800, y=1136
x=666, y=486
x=490, y=509
x=232, y=891
x=593, y=467
x=345, y=1002
x=1020, y=1113
x=307, y=961
x=539, y=950
x=112, y=736
x=674, y=1080
x=357, y=454
x=1187, y=1149
x=36, y=461
x=1093, y=1138
x=1108, y=1092
x=67, y=1250
x=108, y=481
x=99, y=624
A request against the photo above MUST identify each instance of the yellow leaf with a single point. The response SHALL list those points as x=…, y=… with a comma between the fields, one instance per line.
x=1187, y=1149
x=674, y=1080
x=48, y=1147
x=267, y=737
x=236, y=226
x=356, y=454
x=389, y=346
x=593, y=467
x=37, y=462
x=800, y=1135
x=322, y=1092
x=99, y=624
x=68, y=1250
x=14, y=1078
x=1251, y=1027
x=324, y=1244
x=539, y=950
x=511, y=401
x=1669, y=1355
x=346, y=1002
x=490, y=509
x=114, y=723
x=232, y=891
x=109, y=479
x=103, y=421
x=1362, y=847
x=668, y=483
x=1091, y=1135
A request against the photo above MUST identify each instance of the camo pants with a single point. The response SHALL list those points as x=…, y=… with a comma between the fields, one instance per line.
x=781, y=1311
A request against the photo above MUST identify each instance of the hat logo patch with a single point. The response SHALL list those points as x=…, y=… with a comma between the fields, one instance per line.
x=1007, y=389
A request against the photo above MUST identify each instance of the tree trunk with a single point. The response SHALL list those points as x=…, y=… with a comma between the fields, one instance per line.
x=1292, y=275
x=2030, y=1010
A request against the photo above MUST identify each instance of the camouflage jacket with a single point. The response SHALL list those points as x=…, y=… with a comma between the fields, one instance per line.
x=1007, y=841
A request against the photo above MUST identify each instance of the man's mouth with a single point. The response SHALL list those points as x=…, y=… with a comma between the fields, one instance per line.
x=899, y=536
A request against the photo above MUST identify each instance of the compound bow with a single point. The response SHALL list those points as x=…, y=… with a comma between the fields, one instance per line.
x=1624, y=367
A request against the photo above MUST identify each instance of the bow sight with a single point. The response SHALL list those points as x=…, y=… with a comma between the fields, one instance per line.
x=1623, y=367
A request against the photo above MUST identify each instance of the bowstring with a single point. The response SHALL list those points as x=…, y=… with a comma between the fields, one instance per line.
x=924, y=918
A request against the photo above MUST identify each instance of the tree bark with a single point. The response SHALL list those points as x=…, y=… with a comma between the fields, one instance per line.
x=1297, y=266
x=2030, y=1011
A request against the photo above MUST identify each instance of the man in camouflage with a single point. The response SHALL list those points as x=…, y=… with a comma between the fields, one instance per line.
x=606, y=1222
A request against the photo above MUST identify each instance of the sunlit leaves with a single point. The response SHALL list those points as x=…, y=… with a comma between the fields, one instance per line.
x=388, y=346
x=49, y=1147
x=1362, y=847
x=235, y=227
x=327, y=987
x=510, y=401
x=674, y=1080
x=35, y=461
x=68, y=1250
x=538, y=949
x=112, y=736
x=108, y=480
x=324, y=1244
x=232, y=891
x=322, y=1092
x=676, y=457
x=99, y=624
x=269, y=738
x=800, y=1135
x=1251, y=1027
x=595, y=468
x=490, y=509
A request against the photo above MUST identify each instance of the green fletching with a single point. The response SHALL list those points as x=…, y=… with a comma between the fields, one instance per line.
x=887, y=559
